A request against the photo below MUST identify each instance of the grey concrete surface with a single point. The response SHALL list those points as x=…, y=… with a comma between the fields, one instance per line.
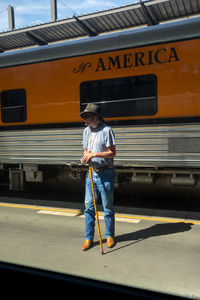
x=157, y=255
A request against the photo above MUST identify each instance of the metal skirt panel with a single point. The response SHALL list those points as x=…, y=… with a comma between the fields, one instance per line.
x=147, y=146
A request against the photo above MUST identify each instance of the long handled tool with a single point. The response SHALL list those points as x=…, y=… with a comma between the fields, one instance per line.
x=95, y=207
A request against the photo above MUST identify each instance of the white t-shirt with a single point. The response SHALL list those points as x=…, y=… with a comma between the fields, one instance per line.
x=98, y=141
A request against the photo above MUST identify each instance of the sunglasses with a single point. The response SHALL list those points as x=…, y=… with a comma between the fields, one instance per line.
x=87, y=115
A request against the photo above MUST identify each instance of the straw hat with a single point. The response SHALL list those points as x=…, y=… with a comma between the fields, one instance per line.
x=91, y=108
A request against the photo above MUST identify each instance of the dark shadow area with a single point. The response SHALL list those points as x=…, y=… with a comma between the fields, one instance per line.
x=153, y=231
x=60, y=189
x=54, y=284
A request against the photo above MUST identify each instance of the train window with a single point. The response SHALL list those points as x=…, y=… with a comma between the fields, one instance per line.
x=121, y=97
x=13, y=106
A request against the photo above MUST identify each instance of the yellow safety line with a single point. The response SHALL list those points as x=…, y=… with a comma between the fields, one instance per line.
x=38, y=207
x=169, y=220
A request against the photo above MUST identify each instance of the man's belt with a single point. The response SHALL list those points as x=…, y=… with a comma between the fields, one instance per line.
x=102, y=168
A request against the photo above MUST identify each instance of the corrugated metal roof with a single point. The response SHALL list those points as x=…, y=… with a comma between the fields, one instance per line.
x=168, y=32
x=148, y=13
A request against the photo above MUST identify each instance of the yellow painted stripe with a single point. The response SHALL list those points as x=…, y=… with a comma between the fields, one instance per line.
x=159, y=219
x=138, y=217
x=36, y=207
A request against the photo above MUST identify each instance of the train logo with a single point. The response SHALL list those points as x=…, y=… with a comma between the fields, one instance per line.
x=130, y=60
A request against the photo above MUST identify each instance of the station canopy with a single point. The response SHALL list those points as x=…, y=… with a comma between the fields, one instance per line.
x=142, y=13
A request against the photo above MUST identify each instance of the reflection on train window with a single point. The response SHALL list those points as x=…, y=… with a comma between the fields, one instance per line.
x=13, y=106
x=121, y=97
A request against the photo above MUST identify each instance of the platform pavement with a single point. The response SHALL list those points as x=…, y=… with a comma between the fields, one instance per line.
x=157, y=253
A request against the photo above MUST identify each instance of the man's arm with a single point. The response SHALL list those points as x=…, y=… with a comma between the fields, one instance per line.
x=110, y=153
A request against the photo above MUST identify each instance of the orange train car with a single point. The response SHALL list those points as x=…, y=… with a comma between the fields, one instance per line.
x=146, y=82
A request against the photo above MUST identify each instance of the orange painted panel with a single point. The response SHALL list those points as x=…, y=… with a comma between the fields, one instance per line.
x=52, y=88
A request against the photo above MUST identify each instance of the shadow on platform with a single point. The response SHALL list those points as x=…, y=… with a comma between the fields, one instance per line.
x=153, y=231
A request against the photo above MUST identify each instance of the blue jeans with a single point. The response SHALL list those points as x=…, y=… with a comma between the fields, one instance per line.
x=103, y=185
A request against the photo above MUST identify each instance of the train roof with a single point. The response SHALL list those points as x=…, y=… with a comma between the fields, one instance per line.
x=157, y=34
x=129, y=16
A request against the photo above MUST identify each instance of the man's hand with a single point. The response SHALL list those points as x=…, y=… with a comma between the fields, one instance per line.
x=87, y=156
x=86, y=159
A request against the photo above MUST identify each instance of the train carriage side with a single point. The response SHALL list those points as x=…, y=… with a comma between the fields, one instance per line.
x=148, y=91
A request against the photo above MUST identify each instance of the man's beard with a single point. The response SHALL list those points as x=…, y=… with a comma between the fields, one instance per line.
x=96, y=123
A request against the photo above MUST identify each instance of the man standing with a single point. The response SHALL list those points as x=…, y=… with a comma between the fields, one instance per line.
x=99, y=151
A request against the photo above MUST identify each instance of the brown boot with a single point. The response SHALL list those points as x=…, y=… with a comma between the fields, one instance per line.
x=110, y=242
x=87, y=245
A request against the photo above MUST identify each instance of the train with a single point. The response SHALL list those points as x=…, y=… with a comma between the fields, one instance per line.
x=146, y=82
